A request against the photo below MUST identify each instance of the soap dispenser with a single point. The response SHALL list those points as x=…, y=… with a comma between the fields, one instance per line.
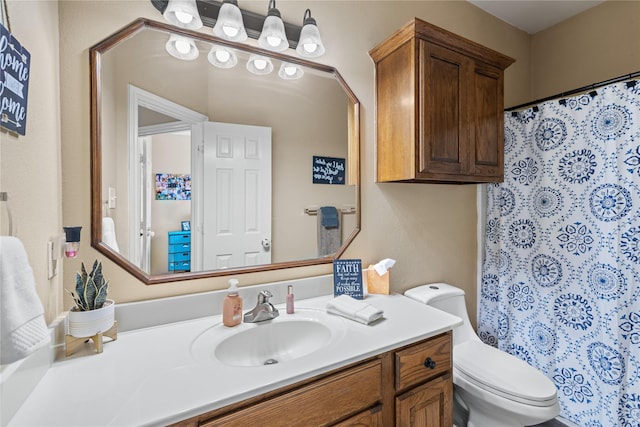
x=232, y=306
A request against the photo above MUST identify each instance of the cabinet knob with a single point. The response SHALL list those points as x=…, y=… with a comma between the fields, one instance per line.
x=429, y=363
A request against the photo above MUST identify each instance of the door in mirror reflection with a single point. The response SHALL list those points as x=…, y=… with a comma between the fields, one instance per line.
x=236, y=212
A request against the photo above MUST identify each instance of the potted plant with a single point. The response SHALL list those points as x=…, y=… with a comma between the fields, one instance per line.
x=93, y=312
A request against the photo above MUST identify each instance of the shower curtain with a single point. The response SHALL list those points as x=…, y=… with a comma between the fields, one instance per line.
x=561, y=269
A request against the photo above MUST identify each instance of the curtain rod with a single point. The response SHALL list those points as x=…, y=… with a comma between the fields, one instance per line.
x=580, y=89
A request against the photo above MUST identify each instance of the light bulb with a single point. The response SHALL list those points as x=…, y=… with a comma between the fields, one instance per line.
x=183, y=13
x=182, y=46
x=289, y=71
x=260, y=64
x=230, y=31
x=273, y=41
x=222, y=55
x=183, y=17
x=310, y=47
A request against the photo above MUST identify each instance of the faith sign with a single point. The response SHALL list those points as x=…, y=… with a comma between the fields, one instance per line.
x=14, y=83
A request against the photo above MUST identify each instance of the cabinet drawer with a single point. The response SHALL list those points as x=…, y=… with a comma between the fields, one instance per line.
x=181, y=256
x=316, y=404
x=179, y=247
x=180, y=266
x=422, y=361
x=369, y=418
x=179, y=237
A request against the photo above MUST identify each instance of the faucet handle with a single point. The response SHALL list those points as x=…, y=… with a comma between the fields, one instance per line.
x=263, y=297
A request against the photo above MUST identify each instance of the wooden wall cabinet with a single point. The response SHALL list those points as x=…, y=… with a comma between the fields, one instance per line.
x=406, y=387
x=439, y=107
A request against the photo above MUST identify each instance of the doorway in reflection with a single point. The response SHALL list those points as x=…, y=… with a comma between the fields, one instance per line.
x=203, y=195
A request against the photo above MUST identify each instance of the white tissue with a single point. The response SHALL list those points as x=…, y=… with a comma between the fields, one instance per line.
x=353, y=309
x=383, y=266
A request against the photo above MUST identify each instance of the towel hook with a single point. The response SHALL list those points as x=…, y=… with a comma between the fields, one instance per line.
x=5, y=198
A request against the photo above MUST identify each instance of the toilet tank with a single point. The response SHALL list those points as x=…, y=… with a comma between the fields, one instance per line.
x=449, y=299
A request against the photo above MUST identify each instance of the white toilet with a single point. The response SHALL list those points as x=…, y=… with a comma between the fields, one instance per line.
x=494, y=388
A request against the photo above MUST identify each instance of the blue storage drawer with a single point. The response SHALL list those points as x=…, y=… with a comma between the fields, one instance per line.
x=179, y=237
x=180, y=247
x=180, y=266
x=179, y=251
x=180, y=256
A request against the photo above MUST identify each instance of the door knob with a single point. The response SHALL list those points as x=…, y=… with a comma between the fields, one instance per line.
x=430, y=363
x=266, y=244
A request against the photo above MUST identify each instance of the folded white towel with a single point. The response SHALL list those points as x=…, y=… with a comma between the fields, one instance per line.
x=354, y=309
x=22, y=326
x=109, y=233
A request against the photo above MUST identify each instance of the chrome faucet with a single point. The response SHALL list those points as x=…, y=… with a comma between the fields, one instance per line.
x=263, y=310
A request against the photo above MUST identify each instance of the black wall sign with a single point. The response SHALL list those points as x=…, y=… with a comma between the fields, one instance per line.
x=328, y=170
x=14, y=82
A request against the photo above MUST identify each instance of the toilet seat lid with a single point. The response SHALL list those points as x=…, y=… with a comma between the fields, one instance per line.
x=503, y=374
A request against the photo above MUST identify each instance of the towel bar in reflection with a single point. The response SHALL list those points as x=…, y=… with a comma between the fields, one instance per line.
x=314, y=211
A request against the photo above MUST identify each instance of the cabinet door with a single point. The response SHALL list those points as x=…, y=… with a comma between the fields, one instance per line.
x=428, y=405
x=444, y=110
x=488, y=124
x=370, y=418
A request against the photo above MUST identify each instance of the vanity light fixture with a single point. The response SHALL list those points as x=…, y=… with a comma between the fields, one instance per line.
x=273, y=36
x=222, y=57
x=182, y=48
x=310, y=44
x=183, y=13
x=229, y=24
x=259, y=65
x=289, y=71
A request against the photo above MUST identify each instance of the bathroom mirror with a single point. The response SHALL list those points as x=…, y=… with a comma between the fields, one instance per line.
x=170, y=201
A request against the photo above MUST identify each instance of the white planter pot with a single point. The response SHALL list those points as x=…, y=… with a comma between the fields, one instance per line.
x=89, y=323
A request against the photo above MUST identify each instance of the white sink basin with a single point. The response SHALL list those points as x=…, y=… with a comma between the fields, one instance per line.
x=276, y=341
x=272, y=343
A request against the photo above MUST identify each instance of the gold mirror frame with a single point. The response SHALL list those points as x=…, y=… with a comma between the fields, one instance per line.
x=95, y=52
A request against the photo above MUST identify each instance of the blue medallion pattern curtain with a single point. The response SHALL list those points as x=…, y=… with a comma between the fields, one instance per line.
x=561, y=269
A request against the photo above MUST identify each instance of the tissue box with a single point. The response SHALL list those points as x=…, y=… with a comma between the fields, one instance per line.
x=377, y=284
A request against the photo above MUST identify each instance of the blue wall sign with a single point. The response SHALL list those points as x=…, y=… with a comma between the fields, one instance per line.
x=347, y=278
x=14, y=82
x=328, y=170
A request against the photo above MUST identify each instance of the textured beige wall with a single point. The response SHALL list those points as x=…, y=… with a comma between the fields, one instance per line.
x=599, y=44
x=30, y=165
x=429, y=229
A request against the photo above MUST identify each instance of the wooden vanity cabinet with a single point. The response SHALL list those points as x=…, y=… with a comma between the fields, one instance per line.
x=406, y=387
x=423, y=384
x=439, y=107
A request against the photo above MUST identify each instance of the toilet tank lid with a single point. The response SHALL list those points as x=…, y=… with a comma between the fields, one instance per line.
x=433, y=292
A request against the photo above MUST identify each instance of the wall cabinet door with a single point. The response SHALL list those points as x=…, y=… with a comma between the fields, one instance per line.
x=428, y=405
x=444, y=111
x=487, y=120
x=461, y=128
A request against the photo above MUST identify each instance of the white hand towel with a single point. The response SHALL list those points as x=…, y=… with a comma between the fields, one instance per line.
x=354, y=309
x=109, y=233
x=22, y=326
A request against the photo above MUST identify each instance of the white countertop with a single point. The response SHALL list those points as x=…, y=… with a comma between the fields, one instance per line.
x=153, y=376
